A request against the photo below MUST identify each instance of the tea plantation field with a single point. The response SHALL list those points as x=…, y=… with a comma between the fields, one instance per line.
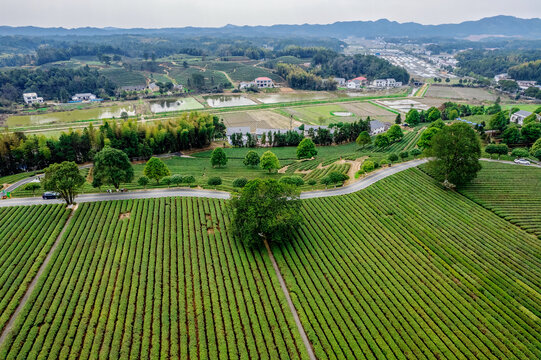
x=26, y=236
x=400, y=270
x=405, y=269
x=511, y=191
x=155, y=279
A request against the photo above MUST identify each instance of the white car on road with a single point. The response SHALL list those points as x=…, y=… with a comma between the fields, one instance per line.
x=522, y=161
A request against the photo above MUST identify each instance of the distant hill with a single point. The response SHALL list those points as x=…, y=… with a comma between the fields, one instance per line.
x=492, y=26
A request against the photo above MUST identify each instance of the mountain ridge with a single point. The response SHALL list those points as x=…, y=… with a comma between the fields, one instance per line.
x=500, y=25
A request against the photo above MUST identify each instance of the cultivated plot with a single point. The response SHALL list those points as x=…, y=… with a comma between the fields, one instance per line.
x=263, y=119
x=27, y=233
x=405, y=269
x=155, y=279
x=514, y=194
x=460, y=93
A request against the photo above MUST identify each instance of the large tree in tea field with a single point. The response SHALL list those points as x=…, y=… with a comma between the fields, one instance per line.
x=455, y=150
x=266, y=210
x=156, y=169
x=112, y=166
x=64, y=179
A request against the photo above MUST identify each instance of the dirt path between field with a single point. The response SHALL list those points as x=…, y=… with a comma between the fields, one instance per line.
x=34, y=282
x=304, y=337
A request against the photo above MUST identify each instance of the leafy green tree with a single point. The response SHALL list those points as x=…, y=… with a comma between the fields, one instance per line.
x=500, y=149
x=498, y=121
x=112, y=166
x=188, y=179
x=382, y=141
x=167, y=181
x=404, y=154
x=218, y=158
x=416, y=152
x=143, y=181
x=292, y=180
x=33, y=186
x=433, y=114
x=413, y=118
x=240, y=182
x=269, y=161
x=64, y=179
x=312, y=182
x=156, y=169
x=265, y=210
x=536, y=146
x=511, y=135
x=306, y=149
x=251, y=159
x=537, y=154
x=368, y=166
x=395, y=133
x=363, y=139
x=531, y=132
x=398, y=119
x=456, y=150
x=520, y=152
x=176, y=179
x=214, y=181
x=392, y=157
x=426, y=137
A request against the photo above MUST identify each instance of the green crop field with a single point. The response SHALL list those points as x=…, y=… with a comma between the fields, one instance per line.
x=402, y=269
x=241, y=72
x=155, y=279
x=511, y=191
x=182, y=75
x=320, y=114
x=405, y=269
x=27, y=233
x=123, y=77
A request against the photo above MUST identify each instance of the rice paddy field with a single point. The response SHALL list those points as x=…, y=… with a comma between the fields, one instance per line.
x=400, y=270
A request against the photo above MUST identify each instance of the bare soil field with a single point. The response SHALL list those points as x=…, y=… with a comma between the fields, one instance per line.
x=458, y=93
x=265, y=119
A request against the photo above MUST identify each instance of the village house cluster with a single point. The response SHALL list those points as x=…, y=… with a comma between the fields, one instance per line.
x=362, y=82
x=376, y=127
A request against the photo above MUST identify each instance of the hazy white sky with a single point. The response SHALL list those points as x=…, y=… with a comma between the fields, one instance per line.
x=180, y=13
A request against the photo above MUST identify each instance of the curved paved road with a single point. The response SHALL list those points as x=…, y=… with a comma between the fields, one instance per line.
x=142, y=194
x=158, y=193
x=365, y=182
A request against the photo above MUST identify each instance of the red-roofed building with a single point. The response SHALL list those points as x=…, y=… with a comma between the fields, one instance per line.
x=264, y=82
x=357, y=83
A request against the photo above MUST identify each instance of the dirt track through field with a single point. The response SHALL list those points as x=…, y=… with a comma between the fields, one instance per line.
x=34, y=282
x=283, y=285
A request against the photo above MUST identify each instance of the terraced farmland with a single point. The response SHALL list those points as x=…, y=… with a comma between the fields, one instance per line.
x=511, y=191
x=27, y=233
x=405, y=269
x=155, y=279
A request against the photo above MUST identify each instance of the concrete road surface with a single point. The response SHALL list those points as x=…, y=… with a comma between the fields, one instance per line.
x=142, y=194
x=363, y=183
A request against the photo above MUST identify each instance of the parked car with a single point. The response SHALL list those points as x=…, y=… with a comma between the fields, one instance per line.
x=50, y=195
x=522, y=161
